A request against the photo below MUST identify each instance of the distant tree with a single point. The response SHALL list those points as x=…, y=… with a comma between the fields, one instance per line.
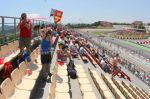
x=82, y=25
x=96, y=23
x=141, y=26
x=116, y=23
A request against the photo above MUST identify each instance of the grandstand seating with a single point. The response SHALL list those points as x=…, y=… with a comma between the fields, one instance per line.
x=9, y=51
x=60, y=83
x=122, y=89
x=23, y=67
x=20, y=85
x=20, y=82
x=9, y=91
x=130, y=90
x=85, y=84
x=112, y=87
x=101, y=86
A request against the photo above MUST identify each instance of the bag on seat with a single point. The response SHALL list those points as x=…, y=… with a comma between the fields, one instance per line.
x=71, y=70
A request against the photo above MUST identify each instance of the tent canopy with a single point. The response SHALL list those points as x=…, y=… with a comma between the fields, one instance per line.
x=37, y=17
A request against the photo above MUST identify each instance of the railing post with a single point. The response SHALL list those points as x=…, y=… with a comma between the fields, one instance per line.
x=3, y=30
x=15, y=28
x=33, y=23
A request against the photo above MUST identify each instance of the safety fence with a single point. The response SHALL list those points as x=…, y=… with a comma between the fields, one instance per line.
x=9, y=31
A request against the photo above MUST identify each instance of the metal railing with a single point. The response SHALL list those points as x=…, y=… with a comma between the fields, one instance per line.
x=9, y=31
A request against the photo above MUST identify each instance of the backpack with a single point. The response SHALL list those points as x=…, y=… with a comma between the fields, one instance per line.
x=71, y=65
x=71, y=70
x=72, y=73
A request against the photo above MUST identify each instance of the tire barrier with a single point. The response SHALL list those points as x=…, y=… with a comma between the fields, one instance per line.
x=143, y=42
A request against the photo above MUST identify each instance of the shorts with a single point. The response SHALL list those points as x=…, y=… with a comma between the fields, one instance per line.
x=115, y=70
x=46, y=58
x=24, y=42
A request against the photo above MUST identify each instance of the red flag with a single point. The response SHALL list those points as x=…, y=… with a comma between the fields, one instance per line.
x=57, y=16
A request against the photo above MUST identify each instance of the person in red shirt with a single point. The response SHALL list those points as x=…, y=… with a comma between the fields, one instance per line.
x=25, y=27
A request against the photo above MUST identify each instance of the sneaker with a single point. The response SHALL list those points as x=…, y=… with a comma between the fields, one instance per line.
x=48, y=80
x=49, y=74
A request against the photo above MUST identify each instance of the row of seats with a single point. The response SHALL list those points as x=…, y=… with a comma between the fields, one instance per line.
x=136, y=91
x=145, y=94
x=101, y=86
x=9, y=48
x=93, y=57
x=20, y=85
x=122, y=89
x=62, y=86
x=90, y=57
x=113, y=87
x=59, y=88
x=85, y=85
x=130, y=90
x=9, y=51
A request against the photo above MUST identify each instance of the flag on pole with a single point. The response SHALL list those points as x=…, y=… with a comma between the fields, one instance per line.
x=57, y=16
x=52, y=12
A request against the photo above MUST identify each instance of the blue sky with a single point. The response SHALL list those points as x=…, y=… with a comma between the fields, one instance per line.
x=86, y=11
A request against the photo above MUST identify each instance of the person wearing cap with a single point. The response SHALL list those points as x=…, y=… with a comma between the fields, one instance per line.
x=25, y=27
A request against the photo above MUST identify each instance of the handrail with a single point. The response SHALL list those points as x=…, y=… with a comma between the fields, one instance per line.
x=8, y=28
x=9, y=17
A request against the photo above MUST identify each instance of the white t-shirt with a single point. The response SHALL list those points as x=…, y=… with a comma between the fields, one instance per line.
x=103, y=63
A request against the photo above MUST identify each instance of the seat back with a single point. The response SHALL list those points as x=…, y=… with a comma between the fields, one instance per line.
x=16, y=76
x=35, y=54
x=4, y=50
x=2, y=96
x=11, y=46
x=32, y=56
x=22, y=68
x=16, y=43
x=7, y=88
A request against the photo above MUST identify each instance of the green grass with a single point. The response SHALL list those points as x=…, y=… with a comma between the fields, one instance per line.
x=100, y=33
x=138, y=46
x=102, y=27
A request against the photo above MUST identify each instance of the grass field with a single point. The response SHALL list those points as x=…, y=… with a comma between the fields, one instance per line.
x=101, y=33
x=102, y=27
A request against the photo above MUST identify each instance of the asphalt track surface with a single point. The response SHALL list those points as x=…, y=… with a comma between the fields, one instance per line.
x=124, y=44
x=121, y=43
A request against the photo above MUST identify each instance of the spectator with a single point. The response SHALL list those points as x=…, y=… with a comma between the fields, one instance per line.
x=45, y=53
x=73, y=50
x=66, y=53
x=103, y=63
x=25, y=27
x=115, y=62
x=101, y=55
x=62, y=53
x=82, y=50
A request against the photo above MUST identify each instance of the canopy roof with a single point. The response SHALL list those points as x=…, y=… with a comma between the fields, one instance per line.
x=37, y=17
